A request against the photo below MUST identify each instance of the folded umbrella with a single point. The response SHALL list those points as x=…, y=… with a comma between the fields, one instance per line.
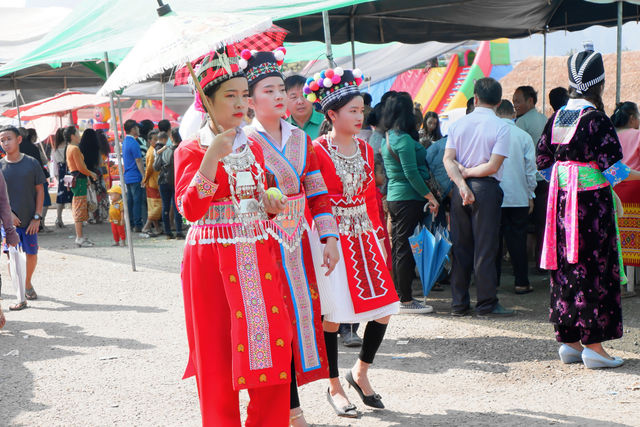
x=430, y=251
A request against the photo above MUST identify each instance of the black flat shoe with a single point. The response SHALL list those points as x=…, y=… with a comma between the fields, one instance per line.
x=348, y=411
x=375, y=401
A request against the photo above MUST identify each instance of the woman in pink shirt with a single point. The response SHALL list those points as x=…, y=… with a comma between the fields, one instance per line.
x=626, y=119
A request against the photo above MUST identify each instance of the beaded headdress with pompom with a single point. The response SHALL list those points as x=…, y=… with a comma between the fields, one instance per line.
x=330, y=86
x=259, y=65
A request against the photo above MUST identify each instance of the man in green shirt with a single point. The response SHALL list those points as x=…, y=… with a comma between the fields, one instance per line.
x=303, y=115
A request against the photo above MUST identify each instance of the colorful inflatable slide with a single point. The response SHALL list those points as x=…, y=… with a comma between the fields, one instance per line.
x=442, y=89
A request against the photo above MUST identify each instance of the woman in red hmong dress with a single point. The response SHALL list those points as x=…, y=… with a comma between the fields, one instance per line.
x=360, y=288
x=237, y=323
x=293, y=168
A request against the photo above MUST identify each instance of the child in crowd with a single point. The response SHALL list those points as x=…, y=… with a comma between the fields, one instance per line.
x=116, y=216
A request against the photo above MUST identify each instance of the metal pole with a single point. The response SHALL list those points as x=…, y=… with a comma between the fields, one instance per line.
x=619, y=52
x=121, y=116
x=114, y=123
x=327, y=37
x=163, y=95
x=353, y=41
x=15, y=92
x=544, y=72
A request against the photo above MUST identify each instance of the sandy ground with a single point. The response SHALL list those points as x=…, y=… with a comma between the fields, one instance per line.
x=105, y=346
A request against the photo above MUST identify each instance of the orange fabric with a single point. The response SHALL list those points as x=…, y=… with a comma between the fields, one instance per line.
x=79, y=209
x=75, y=160
x=150, y=174
x=116, y=214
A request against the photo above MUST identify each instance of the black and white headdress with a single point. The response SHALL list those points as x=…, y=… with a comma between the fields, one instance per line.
x=586, y=69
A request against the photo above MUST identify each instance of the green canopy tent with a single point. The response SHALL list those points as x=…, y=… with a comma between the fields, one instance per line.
x=114, y=26
x=106, y=30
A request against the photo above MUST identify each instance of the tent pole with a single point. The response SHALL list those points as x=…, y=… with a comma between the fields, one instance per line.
x=163, y=95
x=121, y=116
x=619, y=53
x=327, y=37
x=15, y=92
x=353, y=41
x=544, y=72
x=114, y=123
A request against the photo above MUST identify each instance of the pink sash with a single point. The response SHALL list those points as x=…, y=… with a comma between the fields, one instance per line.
x=549, y=259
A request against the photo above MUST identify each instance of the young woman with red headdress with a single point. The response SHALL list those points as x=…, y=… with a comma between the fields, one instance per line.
x=237, y=322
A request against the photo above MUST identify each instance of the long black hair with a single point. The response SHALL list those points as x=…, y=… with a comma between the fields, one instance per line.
x=90, y=149
x=593, y=95
x=58, y=138
x=68, y=132
x=436, y=134
x=397, y=114
x=27, y=146
x=623, y=113
x=103, y=143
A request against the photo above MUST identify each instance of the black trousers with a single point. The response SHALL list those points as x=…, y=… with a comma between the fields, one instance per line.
x=405, y=216
x=474, y=235
x=348, y=327
x=513, y=230
x=540, y=216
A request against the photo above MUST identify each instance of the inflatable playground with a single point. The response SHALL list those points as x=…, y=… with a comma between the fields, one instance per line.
x=447, y=87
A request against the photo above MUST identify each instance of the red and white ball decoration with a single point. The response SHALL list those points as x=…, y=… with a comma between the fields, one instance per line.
x=247, y=54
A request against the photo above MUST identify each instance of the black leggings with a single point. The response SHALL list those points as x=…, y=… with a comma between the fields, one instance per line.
x=373, y=336
x=294, y=399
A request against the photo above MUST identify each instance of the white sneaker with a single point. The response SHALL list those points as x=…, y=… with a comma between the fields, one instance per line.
x=414, y=307
x=84, y=243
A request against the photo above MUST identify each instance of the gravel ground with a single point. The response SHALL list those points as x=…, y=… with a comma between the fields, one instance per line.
x=103, y=345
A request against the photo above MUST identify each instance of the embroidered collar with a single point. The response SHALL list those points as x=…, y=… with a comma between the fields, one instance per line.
x=578, y=104
x=286, y=128
x=567, y=119
x=206, y=137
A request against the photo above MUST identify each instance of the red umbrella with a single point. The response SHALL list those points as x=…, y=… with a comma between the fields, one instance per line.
x=152, y=113
x=268, y=40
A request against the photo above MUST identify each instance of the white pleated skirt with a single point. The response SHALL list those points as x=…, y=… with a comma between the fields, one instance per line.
x=335, y=298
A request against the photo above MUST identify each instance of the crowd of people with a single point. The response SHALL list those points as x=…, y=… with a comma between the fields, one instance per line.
x=300, y=227
x=77, y=164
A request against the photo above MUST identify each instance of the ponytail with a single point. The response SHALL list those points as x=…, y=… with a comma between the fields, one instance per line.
x=68, y=132
x=623, y=113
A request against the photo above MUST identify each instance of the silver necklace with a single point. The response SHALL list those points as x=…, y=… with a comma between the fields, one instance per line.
x=246, y=186
x=350, y=169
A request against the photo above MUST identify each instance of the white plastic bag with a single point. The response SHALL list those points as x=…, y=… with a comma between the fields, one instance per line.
x=18, y=271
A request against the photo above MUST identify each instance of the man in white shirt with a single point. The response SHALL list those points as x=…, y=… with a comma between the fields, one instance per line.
x=530, y=120
x=476, y=148
x=518, y=184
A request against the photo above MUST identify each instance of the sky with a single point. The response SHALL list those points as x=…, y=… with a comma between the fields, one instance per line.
x=561, y=43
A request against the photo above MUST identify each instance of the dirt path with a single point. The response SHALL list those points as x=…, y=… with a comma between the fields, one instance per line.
x=105, y=346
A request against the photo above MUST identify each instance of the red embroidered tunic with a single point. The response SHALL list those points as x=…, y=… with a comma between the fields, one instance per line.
x=356, y=211
x=294, y=169
x=237, y=323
